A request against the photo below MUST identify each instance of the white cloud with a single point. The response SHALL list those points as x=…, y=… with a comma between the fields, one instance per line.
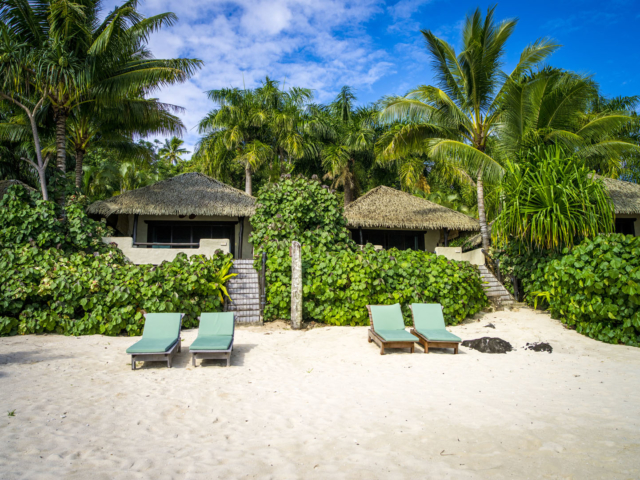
x=320, y=44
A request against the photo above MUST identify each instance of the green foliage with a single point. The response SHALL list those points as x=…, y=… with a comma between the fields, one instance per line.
x=58, y=276
x=339, y=280
x=596, y=288
x=551, y=201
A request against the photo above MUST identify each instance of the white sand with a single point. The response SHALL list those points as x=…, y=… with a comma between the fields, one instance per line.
x=323, y=403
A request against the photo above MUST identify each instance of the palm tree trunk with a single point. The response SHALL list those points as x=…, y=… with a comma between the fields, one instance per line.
x=247, y=180
x=482, y=217
x=79, y=161
x=348, y=192
x=61, y=139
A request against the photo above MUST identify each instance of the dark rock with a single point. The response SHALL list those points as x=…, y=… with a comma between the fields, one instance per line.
x=490, y=325
x=488, y=345
x=539, y=347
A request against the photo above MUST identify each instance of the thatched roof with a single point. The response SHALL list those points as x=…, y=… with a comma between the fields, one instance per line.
x=624, y=195
x=5, y=184
x=385, y=207
x=186, y=194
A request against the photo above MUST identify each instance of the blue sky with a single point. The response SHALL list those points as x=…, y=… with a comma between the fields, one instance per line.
x=375, y=46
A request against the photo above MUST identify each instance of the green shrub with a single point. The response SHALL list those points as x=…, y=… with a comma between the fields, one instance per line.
x=596, y=288
x=58, y=276
x=339, y=279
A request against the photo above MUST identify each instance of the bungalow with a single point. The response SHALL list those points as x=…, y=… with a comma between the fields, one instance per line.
x=189, y=213
x=626, y=202
x=391, y=218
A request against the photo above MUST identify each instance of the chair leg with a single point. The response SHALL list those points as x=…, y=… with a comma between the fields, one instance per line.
x=413, y=345
x=193, y=359
x=229, y=359
x=426, y=347
x=455, y=350
x=133, y=363
x=382, y=349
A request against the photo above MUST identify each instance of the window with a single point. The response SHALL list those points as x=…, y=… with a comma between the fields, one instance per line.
x=189, y=233
x=626, y=226
x=402, y=240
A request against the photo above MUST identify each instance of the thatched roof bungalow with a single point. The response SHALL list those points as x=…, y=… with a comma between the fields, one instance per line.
x=391, y=218
x=180, y=212
x=626, y=202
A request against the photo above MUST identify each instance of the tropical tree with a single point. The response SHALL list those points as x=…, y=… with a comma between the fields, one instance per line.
x=172, y=150
x=349, y=137
x=552, y=201
x=454, y=121
x=84, y=59
x=252, y=128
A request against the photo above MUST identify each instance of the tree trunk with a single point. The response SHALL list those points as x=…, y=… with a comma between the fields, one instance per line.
x=43, y=183
x=247, y=180
x=296, y=285
x=42, y=166
x=348, y=192
x=482, y=217
x=61, y=140
x=79, y=161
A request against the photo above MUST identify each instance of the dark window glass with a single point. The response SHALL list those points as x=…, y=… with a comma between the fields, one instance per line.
x=625, y=226
x=395, y=240
x=221, y=232
x=181, y=234
x=161, y=234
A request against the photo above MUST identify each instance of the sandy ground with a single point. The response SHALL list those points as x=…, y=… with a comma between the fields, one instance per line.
x=322, y=403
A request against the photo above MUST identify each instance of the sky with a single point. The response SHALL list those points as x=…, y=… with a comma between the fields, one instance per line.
x=374, y=46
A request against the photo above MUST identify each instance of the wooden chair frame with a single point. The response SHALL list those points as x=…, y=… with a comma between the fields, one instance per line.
x=159, y=357
x=382, y=343
x=426, y=343
x=215, y=354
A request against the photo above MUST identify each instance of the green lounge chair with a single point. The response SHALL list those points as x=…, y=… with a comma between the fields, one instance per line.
x=428, y=326
x=215, y=337
x=387, y=328
x=160, y=339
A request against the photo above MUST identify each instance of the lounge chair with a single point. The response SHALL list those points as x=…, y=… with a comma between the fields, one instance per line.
x=215, y=337
x=428, y=326
x=160, y=339
x=387, y=328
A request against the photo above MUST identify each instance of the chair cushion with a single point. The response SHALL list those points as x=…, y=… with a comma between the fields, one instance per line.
x=152, y=345
x=396, y=335
x=427, y=316
x=217, y=323
x=439, y=335
x=387, y=317
x=211, y=342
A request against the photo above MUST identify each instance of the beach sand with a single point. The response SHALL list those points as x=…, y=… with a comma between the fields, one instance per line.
x=323, y=403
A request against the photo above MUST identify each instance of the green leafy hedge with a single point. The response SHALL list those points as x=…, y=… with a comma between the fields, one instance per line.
x=595, y=288
x=339, y=279
x=58, y=276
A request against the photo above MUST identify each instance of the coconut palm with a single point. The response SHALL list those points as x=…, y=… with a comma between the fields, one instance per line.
x=171, y=151
x=349, y=136
x=454, y=121
x=81, y=56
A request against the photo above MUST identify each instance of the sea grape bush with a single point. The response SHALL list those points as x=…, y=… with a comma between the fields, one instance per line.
x=595, y=288
x=340, y=279
x=58, y=276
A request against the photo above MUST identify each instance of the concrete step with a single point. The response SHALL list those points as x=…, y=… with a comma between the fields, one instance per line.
x=242, y=289
x=244, y=296
x=244, y=276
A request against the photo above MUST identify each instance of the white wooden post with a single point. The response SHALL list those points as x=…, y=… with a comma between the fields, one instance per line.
x=296, y=285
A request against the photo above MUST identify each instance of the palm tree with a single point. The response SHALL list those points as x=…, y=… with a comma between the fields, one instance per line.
x=454, y=121
x=350, y=135
x=253, y=127
x=172, y=151
x=81, y=57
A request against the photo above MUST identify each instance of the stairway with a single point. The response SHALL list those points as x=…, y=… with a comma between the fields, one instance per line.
x=493, y=288
x=244, y=291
